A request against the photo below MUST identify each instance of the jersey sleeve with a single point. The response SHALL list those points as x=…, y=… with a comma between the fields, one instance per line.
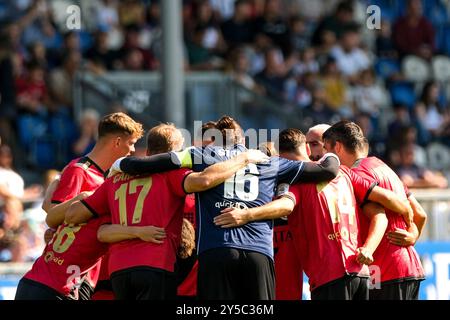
x=287, y=191
x=97, y=203
x=298, y=171
x=362, y=187
x=153, y=164
x=69, y=185
x=288, y=171
x=200, y=158
x=176, y=181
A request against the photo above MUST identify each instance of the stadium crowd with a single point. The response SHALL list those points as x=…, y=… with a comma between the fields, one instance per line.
x=317, y=55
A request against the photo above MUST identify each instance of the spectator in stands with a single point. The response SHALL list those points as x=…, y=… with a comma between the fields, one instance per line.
x=311, y=10
x=11, y=182
x=107, y=15
x=319, y=110
x=133, y=60
x=31, y=89
x=131, y=12
x=335, y=23
x=273, y=76
x=154, y=15
x=368, y=97
x=335, y=88
x=272, y=24
x=71, y=43
x=257, y=51
x=305, y=84
x=199, y=57
x=306, y=63
x=238, y=30
x=430, y=112
x=372, y=133
x=7, y=89
x=414, y=176
x=88, y=133
x=413, y=33
x=401, y=119
x=239, y=71
x=212, y=38
x=384, y=45
x=38, y=54
x=132, y=33
x=299, y=38
x=11, y=212
x=61, y=81
x=100, y=50
x=224, y=9
x=350, y=58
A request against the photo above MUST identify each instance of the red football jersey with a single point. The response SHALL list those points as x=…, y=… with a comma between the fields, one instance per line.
x=395, y=262
x=82, y=247
x=79, y=175
x=325, y=227
x=189, y=285
x=288, y=271
x=73, y=252
x=125, y=197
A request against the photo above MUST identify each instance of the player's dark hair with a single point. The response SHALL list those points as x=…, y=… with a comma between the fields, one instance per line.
x=349, y=134
x=290, y=140
x=208, y=125
x=231, y=131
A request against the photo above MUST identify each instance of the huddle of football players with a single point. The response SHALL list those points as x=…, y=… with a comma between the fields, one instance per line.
x=125, y=227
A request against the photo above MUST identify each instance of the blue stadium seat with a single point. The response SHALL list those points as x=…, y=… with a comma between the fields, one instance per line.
x=43, y=153
x=86, y=40
x=436, y=13
x=402, y=92
x=29, y=128
x=385, y=67
x=445, y=40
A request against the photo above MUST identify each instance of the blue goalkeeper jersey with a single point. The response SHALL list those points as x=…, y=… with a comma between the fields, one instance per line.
x=250, y=187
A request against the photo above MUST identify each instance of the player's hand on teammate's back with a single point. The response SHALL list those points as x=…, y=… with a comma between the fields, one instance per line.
x=409, y=215
x=256, y=156
x=152, y=234
x=231, y=217
x=115, y=168
x=364, y=256
x=401, y=237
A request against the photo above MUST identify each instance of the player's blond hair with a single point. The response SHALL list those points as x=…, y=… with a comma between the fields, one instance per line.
x=119, y=123
x=164, y=137
x=187, y=244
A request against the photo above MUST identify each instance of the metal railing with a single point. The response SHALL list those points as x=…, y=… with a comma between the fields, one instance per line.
x=209, y=95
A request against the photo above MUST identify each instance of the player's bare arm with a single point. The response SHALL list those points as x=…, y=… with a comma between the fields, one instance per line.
x=393, y=202
x=377, y=228
x=409, y=237
x=111, y=233
x=234, y=217
x=219, y=172
x=77, y=213
x=47, y=203
x=57, y=212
